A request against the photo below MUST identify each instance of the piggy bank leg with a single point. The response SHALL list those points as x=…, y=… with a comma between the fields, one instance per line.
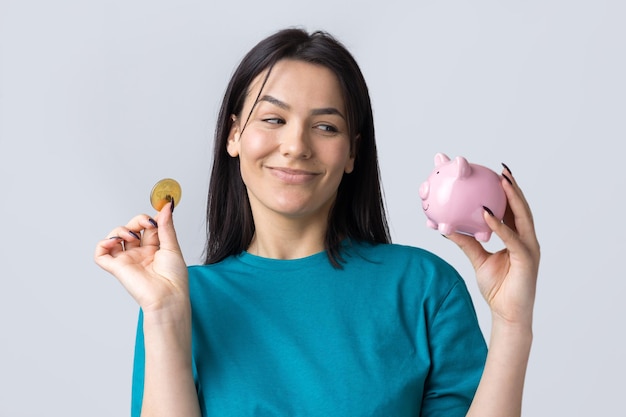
x=482, y=236
x=431, y=224
x=446, y=228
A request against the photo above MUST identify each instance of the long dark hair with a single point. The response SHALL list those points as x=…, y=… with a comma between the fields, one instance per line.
x=358, y=211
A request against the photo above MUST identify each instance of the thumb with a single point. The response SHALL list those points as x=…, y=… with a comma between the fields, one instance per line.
x=167, y=233
x=475, y=252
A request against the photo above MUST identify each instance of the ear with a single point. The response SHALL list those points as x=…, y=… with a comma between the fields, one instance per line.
x=232, y=146
x=463, y=168
x=349, y=165
x=440, y=159
x=353, y=151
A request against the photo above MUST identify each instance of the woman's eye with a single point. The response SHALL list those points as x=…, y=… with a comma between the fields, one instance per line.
x=327, y=128
x=274, y=120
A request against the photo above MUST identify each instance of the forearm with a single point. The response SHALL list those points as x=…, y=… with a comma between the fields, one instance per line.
x=499, y=393
x=169, y=388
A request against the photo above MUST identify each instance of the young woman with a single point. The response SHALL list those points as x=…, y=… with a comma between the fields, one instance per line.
x=304, y=307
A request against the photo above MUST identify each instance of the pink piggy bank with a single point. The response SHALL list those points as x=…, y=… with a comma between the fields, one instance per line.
x=454, y=194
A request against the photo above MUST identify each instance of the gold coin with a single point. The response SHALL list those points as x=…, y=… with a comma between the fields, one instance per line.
x=165, y=191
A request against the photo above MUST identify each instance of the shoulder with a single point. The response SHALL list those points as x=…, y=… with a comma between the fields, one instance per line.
x=201, y=271
x=400, y=257
x=410, y=269
x=203, y=274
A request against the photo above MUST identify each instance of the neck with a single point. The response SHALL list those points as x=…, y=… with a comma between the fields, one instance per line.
x=287, y=239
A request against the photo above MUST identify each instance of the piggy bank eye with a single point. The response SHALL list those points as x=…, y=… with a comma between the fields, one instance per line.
x=437, y=172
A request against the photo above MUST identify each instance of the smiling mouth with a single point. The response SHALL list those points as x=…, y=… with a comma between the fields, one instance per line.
x=293, y=176
x=426, y=208
x=290, y=171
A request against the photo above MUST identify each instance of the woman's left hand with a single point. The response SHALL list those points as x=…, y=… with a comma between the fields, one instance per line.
x=507, y=279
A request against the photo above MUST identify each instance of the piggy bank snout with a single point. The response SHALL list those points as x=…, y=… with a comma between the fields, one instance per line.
x=424, y=190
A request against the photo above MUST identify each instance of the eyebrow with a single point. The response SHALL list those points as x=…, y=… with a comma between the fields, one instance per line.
x=314, y=112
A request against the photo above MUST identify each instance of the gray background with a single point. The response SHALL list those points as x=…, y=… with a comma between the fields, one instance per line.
x=100, y=99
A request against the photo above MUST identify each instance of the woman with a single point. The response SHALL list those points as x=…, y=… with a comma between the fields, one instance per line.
x=303, y=307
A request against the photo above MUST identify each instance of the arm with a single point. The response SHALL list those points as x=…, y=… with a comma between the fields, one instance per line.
x=500, y=390
x=147, y=261
x=169, y=387
x=507, y=280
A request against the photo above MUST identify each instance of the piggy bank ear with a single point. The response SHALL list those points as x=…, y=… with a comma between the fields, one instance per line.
x=440, y=159
x=462, y=167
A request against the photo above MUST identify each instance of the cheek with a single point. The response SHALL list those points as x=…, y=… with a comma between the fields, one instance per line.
x=257, y=145
x=338, y=155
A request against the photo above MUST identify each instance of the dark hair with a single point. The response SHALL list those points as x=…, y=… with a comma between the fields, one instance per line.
x=358, y=211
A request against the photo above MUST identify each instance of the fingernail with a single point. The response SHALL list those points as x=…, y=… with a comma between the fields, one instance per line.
x=508, y=179
x=507, y=168
x=172, y=206
x=135, y=235
x=114, y=237
x=153, y=223
x=488, y=210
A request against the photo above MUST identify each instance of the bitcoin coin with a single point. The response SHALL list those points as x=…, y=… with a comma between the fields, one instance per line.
x=165, y=191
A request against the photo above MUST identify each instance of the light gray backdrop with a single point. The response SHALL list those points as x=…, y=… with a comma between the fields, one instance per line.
x=100, y=99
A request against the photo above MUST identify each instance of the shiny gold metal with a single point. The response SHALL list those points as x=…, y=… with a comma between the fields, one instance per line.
x=163, y=192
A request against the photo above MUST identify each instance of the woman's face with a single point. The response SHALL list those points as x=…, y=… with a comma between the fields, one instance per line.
x=295, y=147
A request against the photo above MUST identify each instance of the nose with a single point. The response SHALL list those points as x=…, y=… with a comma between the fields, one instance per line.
x=424, y=190
x=295, y=142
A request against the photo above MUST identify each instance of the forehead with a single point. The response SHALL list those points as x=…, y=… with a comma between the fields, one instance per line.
x=300, y=82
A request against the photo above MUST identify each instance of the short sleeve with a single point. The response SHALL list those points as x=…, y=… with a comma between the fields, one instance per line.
x=458, y=353
x=138, y=370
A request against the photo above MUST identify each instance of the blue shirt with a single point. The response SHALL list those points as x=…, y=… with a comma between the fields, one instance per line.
x=392, y=333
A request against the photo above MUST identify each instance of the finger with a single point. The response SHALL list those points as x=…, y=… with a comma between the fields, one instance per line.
x=137, y=232
x=166, y=231
x=519, y=218
x=516, y=247
x=511, y=183
x=141, y=222
x=150, y=237
x=124, y=235
x=475, y=252
x=132, y=239
x=139, y=229
x=523, y=257
x=106, y=251
x=509, y=217
x=149, y=230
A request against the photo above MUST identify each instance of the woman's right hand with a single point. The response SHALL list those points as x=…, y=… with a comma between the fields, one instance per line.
x=145, y=257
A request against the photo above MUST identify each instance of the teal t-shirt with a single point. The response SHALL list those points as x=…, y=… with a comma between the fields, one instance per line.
x=392, y=333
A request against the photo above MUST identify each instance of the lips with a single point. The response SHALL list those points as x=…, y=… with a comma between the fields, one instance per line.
x=293, y=176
